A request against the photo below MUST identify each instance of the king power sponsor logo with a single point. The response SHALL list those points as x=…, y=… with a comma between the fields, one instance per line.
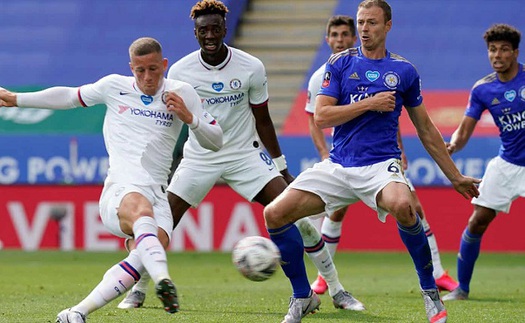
x=512, y=122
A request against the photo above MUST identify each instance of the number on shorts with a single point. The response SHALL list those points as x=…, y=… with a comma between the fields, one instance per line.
x=393, y=167
x=265, y=158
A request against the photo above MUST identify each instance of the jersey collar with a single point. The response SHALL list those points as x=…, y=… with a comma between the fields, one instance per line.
x=221, y=65
x=161, y=89
x=387, y=55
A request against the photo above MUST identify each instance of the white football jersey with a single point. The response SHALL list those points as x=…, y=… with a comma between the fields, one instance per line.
x=227, y=91
x=139, y=132
x=314, y=84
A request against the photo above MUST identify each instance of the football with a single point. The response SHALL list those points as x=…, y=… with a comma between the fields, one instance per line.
x=257, y=258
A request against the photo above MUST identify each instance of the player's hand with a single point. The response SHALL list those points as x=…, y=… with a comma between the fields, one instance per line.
x=384, y=101
x=451, y=148
x=7, y=98
x=174, y=103
x=287, y=176
x=467, y=186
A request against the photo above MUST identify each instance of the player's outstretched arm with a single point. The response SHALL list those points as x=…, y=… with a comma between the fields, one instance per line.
x=56, y=98
x=7, y=98
x=318, y=138
x=462, y=134
x=433, y=142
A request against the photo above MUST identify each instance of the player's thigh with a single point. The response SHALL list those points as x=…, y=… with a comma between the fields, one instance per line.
x=111, y=200
x=253, y=173
x=292, y=205
x=178, y=208
x=397, y=200
x=338, y=215
x=271, y=190
x=371, y=184
x=328, y=181
x=193, y=180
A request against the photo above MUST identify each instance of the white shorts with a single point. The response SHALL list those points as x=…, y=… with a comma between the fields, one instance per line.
x=246, y=174
x=502, y=183
x=340, y=186
x=112, y=195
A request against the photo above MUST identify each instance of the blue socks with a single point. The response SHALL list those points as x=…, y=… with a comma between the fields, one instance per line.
x=416, y=242
x=468, y=253
x=290, y=243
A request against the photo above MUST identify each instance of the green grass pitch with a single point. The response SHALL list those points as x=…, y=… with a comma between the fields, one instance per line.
x=35, y=286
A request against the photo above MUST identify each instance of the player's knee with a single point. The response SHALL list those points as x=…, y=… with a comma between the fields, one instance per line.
x=481, y=219
x=477, y=225
x=403, y=211
x=272, y=216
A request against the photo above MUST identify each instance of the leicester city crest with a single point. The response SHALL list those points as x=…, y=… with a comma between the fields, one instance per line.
x=391, y=80
x=522, y=93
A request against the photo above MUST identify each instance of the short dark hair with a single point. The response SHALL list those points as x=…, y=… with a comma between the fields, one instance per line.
x=144, y=46
x=387, y=10
x=340, y=20
x=503, y=32
x=208, y=7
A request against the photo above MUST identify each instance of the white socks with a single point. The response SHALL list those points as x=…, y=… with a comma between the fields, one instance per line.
x=436, y=260
x=116, y=281
x=149, y=256
x=151, y=252
x=321, y=257
x=332, y=230
x=143, y=284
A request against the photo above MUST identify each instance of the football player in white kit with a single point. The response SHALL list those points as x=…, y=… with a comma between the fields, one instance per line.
x=144, y=117
x=233, y=87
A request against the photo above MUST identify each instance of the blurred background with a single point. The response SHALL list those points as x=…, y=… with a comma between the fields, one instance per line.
x=52, y=163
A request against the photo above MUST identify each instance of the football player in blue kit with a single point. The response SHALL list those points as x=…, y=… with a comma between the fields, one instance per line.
x=362, y=95
x=502, y=93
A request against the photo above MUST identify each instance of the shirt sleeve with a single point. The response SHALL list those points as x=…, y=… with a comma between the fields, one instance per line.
x=56, y=98
x=314, y=85
x=330, y=84
x=412, y=96
x=95, y=93
x=258, y=93
x=475, y=106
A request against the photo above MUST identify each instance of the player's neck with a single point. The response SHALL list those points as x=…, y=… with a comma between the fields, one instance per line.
x=216, y=58
x=376, y=53
x=510, y=73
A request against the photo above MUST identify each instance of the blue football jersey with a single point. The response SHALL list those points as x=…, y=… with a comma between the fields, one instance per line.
x=506, y=103
x=351, y=77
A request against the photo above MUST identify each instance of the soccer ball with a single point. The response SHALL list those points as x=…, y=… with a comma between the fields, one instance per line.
x=256, y=257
